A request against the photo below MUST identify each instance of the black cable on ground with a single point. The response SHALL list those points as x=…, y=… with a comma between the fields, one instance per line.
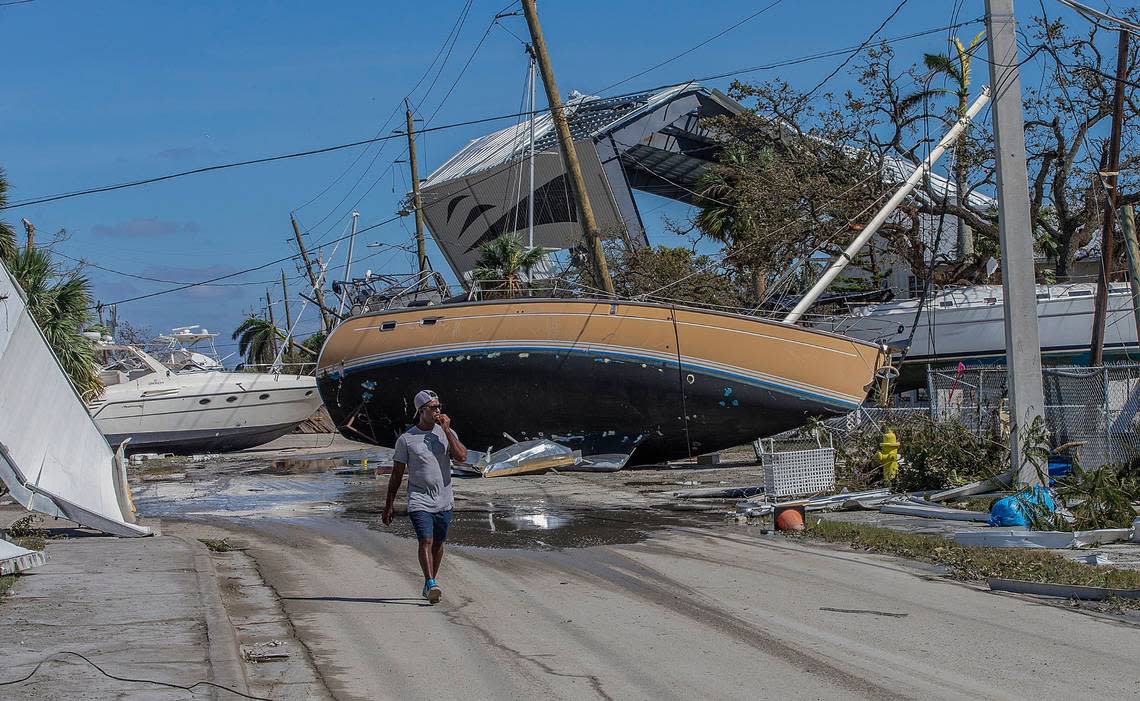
x=107, y=674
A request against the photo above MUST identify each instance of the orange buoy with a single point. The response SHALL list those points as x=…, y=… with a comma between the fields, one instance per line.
x=790, y=518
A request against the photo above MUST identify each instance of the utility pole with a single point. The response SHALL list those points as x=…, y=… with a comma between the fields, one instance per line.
x=1128, y=226
x=30, y=228
x=348, y=263
x=1022, y=337
x=1107, y=237
x=317, y=291
x=417, y=204
x=288, y=318
x=569, y=154
x=272, y=323
x=113, y=326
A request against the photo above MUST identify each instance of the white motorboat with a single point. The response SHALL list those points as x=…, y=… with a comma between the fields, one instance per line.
x=968, y=324
x=162, y=410
x=177, y=350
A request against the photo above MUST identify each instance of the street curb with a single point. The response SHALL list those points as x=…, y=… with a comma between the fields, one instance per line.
x=224, y=654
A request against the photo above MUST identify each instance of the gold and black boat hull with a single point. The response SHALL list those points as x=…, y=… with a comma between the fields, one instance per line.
x=598, y=376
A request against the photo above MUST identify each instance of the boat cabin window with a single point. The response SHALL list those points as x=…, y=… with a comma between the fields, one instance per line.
x=1079, y=293
x=991, y=300
x=946, y=304
x=1043, y=295
x=231, y=400
x=264, y=397
x=429, y=321
x=387, y=326
x=203, y=401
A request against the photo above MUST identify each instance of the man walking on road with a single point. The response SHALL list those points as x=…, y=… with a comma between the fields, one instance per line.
x=426, y=450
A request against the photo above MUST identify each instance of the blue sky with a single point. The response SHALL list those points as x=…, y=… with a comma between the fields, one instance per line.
x=104, y=92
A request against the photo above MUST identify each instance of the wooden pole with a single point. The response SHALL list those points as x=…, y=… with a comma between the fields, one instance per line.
x=30, y=228
x=569, y=155
x=1096, y=352
x=417, y=204
x=320, y=295
x=1128, y=226
x=272, y=323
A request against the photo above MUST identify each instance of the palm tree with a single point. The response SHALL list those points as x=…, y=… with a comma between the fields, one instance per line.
x=504, y=263
x=60, y=303
x=720, y=216
x=7, y=234
x=957, y=70
x=256, y=339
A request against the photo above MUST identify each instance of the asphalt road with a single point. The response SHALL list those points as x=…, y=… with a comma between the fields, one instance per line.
x=690, y=613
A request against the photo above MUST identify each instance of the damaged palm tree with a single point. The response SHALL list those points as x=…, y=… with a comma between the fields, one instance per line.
x=505, y=265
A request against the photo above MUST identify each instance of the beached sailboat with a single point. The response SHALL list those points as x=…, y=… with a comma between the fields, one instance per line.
x=595, y=375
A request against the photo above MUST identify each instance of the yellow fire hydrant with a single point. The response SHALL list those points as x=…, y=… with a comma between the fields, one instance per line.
x=888, y=456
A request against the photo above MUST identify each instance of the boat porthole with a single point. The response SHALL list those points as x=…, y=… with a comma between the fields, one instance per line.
x=387, y=326
x=429, y=321
x=309, y=393
x=690, y=379
x=231, y=400
x=203, y=401
x=264, y=397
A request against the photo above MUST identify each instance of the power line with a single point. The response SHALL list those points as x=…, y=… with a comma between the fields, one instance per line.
x=868, y=40
x=400, y=134
x=691, y=49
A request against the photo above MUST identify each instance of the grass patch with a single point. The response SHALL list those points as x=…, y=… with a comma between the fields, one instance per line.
x=6, y=582
x=972, y=564
x=31, y=542
x=217, y=545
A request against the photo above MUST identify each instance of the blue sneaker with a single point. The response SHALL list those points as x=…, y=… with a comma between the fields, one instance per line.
x=431, y=592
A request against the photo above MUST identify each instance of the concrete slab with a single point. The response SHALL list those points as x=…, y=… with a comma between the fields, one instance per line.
x=142, y=608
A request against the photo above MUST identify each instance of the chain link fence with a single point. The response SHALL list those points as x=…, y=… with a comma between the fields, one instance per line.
x=1097, y=409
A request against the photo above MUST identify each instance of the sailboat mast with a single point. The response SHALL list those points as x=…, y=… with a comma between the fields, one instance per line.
x=861, y=240
x=533, y=102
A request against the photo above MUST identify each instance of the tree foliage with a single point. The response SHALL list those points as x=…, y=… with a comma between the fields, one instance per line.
x=60, y=301
x=797, y=177
x=257, y=340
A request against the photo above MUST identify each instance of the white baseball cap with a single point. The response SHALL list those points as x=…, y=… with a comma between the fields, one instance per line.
x=423, y=397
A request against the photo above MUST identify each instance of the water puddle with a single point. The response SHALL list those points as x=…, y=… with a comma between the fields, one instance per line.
x=297, y=489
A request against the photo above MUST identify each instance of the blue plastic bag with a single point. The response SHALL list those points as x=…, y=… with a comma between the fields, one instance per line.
x=1014, y=510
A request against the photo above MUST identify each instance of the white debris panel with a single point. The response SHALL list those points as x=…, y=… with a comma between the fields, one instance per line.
x=14, y=558
x=52, y=457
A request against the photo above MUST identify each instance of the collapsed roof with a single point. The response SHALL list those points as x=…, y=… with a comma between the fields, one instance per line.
x=651, y=141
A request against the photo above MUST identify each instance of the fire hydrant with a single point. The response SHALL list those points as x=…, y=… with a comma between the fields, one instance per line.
x=888, y=456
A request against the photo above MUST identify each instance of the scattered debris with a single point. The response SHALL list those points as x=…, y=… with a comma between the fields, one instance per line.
x=14, y=558
x=719, y=493
x=1022, y=538
x=924, y=510
x=608, y=462
x=264, y=652
x=993, y=484
x=1096, y=559
x=1064, y=591
x=528, y=457
x=53, y=459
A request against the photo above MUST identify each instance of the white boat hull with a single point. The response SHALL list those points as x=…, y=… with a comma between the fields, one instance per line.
x=203, y=412
x=970, y=324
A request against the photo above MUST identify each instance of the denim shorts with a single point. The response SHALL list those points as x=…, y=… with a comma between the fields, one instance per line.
x=431, y=526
